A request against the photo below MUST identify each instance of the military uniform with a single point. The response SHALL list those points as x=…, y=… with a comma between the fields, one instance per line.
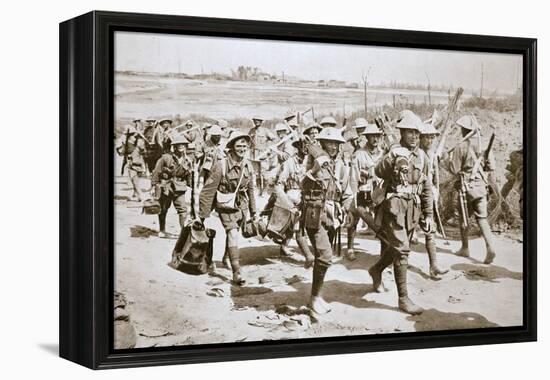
x=226, y=176
x=364, y=180
x=405, y=171
x=288, y=183
x=136, y=163
x=262, y=138
x=171, y=179
x=462, y=164
x=323, y=191
x=154, y=143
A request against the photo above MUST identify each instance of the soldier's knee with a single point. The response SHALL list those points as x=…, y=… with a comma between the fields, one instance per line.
x=233, y=237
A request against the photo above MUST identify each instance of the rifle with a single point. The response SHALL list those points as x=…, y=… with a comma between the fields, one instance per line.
x=446, y=126
x=383, y=121
x=125, y=160
x=485, y=157
x=463, y=203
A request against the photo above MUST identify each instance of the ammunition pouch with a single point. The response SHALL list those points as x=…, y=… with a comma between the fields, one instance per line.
x=314, y=206
x=179, y=186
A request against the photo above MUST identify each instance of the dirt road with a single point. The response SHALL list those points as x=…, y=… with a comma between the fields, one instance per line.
x=168, y=307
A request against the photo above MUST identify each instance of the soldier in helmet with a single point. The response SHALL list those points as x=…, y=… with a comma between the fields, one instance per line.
x=364, y=161
x=154, y=140
x=171, y=179
x=229, y=188
x=287, y=187
x=408, y=202
x=468, y=164
x=360, y=125
x=133, y=148
x=322, y=193
x=165, y=125
x=261, y=137
x=427, y=136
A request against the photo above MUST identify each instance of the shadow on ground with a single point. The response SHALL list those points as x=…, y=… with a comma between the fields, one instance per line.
x=142, y=232
x=332, y=292
x=489, y=273
x=434, y=320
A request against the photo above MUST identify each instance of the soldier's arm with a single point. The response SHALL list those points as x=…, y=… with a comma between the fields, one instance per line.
x=157, y=171
x=384, y=168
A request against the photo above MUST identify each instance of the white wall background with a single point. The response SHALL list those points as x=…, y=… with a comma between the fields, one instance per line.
x=29, y=190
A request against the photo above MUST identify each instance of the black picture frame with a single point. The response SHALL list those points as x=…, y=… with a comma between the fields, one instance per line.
x=86, y=188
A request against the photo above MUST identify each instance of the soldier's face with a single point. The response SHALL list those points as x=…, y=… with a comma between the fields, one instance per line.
x=281, y=134
x=426, y=141
x=179, y=149
x=166, y=125
x=373, y=140
x=257, y=122
x=240, y=148
x=313, y=134
x=362, y=141
x=331, y=147
x=215, y=138
x=410, y=137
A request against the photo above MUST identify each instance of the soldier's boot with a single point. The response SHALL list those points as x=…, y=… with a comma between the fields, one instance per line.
x=435, y=271
x=233, y=253
x=285, y=250
x=350, y=253
x=162, y=225
x=485, y=229
x=464, y=251
x=386, y=258
x=304, y=247
x=316, y=303
x=400, y=265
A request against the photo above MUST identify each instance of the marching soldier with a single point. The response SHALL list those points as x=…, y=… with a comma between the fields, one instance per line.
x=360, y=125
x=427, y=137
x=363, y=163
x=229, y=187
x=471, y=167
x=288, y=186
x=171, y=179
x=261, y=137
x=213, y=141
x=407, y=203
x=133, y=148
x=154, y=140
x=165, y=134
x=310, y=134
x=323, y=215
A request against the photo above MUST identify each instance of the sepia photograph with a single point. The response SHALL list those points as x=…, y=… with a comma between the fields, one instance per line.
x=269, y=190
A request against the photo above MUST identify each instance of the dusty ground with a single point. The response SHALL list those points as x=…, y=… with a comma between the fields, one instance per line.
x=168, y=307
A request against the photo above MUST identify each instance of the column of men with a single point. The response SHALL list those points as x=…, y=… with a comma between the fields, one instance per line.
x=323, y=178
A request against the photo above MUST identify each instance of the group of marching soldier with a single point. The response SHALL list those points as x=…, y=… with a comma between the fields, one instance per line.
x=320, y=178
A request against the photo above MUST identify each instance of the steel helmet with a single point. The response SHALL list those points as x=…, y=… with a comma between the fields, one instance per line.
x=331, y=134
x=371, y=129
x=328, y=120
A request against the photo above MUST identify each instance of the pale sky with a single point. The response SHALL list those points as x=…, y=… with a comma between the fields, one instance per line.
x=168, y=53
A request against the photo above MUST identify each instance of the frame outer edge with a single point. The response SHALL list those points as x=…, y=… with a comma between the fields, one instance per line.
x=75, y=181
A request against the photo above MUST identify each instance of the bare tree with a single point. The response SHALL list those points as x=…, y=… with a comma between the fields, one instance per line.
x=429, y=89
x=365, y=79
